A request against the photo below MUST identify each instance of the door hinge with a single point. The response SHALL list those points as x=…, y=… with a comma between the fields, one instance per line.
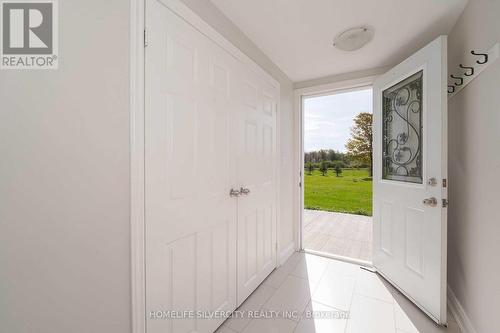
x=445, y=203
x=444, y=183
x=145, y=38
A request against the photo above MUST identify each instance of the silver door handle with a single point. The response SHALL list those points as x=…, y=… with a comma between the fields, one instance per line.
x=432, y=202
x=244, y=190
x=234, y=193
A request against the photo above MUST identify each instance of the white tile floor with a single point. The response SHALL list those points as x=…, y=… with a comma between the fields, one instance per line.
x=361, y=301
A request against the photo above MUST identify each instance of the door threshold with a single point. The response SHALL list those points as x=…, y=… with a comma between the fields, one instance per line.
x=359, y=262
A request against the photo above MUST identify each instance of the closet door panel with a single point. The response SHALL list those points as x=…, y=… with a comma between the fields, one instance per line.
x=257, y=159
x=189, y=166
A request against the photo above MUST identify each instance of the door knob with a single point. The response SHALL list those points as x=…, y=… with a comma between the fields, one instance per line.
x=432, y=202
x=244, y=190
x=234, y=193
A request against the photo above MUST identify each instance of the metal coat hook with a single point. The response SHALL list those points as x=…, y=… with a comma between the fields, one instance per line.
x=469, y=68
x=458, y=78
x=480, y=54
x=467, y=71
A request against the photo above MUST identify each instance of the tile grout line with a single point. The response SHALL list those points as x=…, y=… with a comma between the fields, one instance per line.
x=350, y=306
x=374, y=298
x=394, y=315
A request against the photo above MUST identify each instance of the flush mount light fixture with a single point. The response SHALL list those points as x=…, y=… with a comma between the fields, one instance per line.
x=354, y=38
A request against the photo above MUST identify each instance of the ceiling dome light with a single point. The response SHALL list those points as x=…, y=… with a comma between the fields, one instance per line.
x=354, y=38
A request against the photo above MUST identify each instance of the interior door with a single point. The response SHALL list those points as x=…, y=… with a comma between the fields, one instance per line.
x=257, y=179
x=190, y=217
x=410, y=171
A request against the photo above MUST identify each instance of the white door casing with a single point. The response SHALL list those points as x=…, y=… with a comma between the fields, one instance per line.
x=197, y=143
x=410, y=235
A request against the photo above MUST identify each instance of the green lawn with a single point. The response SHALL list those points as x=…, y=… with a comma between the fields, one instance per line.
x=349, y=193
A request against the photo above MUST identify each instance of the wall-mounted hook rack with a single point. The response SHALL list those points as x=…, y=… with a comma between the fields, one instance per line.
x=478, y=64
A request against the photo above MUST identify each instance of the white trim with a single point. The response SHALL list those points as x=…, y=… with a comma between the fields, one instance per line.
x=341, y=77
x=277, y=178
x=299, y=95
x=339, y=258
x=459, y=314
x=444, y=175
x=286, y=253
x=138, y=281
x=339, y=86
x=299, y=103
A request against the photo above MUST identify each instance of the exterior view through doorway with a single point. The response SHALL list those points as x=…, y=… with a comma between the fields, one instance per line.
x=337, y=175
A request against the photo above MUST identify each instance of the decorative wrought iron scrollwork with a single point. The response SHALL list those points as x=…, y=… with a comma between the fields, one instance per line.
x=402, y=130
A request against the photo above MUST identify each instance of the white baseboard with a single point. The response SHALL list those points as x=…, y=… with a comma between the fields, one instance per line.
x=286, y=253
x=459, y=313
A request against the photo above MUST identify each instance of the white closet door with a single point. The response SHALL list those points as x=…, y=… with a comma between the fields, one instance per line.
x=190, y=217
x=256, y=172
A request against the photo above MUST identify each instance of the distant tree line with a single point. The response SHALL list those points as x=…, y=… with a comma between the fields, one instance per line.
x=332, y=158
x=359, y=150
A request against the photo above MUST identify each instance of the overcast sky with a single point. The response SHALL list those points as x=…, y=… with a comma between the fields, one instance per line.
x=328, y=119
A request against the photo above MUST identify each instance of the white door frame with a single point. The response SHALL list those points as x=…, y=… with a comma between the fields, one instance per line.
x=299, y=96
x=138, y=38
x=137, y=158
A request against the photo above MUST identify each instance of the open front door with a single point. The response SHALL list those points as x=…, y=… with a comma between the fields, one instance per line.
x=409, y=182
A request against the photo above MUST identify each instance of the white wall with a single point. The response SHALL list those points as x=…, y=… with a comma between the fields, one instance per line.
x=474, y=171
x=64, y=181
x=211, y=14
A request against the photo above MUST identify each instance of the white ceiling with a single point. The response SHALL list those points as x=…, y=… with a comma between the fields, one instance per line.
x=297, y=34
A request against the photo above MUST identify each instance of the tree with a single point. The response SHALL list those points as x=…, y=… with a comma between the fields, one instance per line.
x=310, y=168
x=332, y=155
x=323, y=155
x=323, y=167
x=338, y=170
x=360, y=145
x=339, y=164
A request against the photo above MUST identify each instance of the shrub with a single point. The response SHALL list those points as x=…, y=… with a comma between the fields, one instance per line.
x=309, y=168
x=338, y=170
x=323, y=167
